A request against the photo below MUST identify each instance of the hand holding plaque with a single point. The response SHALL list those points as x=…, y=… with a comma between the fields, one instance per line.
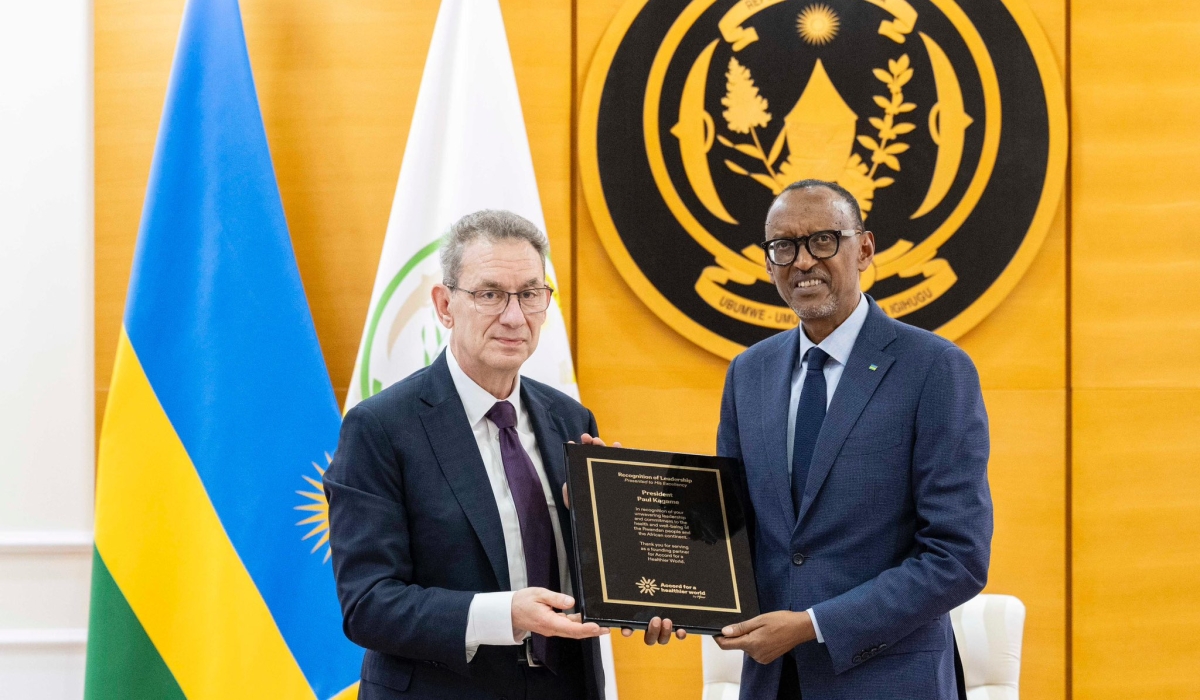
x=659, y=534
x=660, y=629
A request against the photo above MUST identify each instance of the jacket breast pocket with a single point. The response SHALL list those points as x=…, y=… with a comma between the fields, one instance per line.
x=862, y=442
x=388, y=671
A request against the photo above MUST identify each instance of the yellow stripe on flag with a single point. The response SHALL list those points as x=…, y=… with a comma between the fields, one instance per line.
x=165, y=547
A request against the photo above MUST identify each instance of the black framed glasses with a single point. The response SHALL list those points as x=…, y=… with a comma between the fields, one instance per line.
x=821, y=245
x=493, y=302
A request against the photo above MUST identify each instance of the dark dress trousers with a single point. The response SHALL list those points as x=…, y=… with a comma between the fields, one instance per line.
x=416, y=533
x=895, y=525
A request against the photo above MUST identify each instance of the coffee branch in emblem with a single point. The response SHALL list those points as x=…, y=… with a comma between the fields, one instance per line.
x=818, y=24
x=819, y=131
x=745, y=111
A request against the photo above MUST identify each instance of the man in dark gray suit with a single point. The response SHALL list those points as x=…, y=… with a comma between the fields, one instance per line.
x=450, y=537
x=864, y=445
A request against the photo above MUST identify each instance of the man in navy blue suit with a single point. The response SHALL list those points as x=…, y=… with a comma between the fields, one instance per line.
x=864, y=445
x=449, y=532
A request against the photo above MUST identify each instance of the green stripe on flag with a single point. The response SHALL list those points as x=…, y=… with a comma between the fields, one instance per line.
x=122, y=662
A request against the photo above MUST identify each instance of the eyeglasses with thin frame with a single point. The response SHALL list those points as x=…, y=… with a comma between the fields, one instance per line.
x=821, y=245
x=493, y=302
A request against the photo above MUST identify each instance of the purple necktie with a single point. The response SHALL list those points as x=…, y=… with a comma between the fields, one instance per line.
x=537, y=534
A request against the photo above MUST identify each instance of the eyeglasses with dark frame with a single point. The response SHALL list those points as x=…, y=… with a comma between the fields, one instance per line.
x=493, y=302
x=821, y=245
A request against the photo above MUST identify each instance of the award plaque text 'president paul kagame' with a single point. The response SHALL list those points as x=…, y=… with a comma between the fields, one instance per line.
x=662, y=536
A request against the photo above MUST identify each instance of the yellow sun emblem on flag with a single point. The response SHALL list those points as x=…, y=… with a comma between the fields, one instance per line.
x=319, y=509
x=818, y=24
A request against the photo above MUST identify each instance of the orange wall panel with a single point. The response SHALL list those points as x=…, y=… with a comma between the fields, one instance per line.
x=1136, y=343
x=1137, y=543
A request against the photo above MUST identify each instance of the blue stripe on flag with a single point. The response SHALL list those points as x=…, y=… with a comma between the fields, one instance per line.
x=219, y=318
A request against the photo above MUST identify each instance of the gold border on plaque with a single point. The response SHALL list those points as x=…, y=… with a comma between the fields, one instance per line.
x=737, y=600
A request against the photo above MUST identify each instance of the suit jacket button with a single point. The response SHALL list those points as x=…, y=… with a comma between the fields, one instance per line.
x=857, y=659
x=797, y=558
x=882, y=647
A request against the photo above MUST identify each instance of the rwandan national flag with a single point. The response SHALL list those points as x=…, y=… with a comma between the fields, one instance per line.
x=220, y=418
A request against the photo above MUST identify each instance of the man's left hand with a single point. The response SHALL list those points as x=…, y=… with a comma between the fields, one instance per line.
x=768, y=636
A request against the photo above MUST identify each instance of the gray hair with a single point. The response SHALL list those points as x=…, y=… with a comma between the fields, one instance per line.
x=833, y=187
x=492, y=225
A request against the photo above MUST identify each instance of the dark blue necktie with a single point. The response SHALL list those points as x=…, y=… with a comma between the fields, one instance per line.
x=533, y=513
x=809, y=416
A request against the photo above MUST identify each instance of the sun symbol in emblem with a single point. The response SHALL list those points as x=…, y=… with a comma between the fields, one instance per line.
x=319, y=509
x=818, y=24
x=647, y=586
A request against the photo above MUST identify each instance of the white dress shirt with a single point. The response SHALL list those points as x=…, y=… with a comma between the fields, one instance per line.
x=838, y=346
x=489, y=620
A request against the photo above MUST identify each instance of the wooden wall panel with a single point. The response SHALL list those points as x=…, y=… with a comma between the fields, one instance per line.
x=134, y=43
x=1020, y=351
x=1137, y=543
x=1027, y=475
x=1137, y=162
x=1136, y=343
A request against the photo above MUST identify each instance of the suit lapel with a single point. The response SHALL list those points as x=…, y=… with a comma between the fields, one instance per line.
x=453, y=441
x=776, y=387
x=864, y=370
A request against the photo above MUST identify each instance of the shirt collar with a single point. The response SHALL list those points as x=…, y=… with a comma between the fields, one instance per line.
x=477, y=400
x=840, y=342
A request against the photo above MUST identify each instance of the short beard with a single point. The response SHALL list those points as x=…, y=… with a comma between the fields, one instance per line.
x=825, y=310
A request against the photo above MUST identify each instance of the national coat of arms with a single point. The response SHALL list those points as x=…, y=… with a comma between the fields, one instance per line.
x=946, y=120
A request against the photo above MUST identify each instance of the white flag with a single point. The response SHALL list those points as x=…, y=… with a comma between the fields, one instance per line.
x=467, y=150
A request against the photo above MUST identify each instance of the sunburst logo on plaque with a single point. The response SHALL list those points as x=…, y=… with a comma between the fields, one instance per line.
x=319, y=509
x=818, y=24
x=647, y=586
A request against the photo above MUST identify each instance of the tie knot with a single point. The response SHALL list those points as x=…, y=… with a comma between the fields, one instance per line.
x=503, y=414
x=816, y=359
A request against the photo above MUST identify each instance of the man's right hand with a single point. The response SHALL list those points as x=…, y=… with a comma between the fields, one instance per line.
x=536, y=610
x=657, y=632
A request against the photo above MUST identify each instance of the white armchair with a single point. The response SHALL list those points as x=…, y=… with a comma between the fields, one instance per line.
x=722, y=671
x=988, y=629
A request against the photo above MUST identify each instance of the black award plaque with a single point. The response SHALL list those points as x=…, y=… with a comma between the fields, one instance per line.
x=659, y=534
